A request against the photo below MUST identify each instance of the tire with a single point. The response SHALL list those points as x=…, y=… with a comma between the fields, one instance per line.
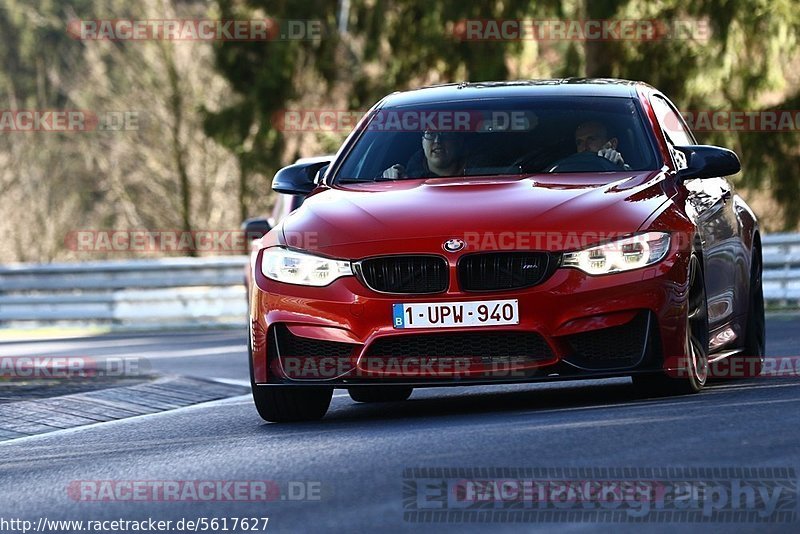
x=693, y=378
x=284, y=404
x=750, y=361
x=380, y=393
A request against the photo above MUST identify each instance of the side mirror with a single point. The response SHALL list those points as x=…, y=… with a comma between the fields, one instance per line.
x=297, y=179
x=706, y=161
x=255, y=228
x=318, y=178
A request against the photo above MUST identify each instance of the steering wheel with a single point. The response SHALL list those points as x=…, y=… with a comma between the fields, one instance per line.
x=523, y=162
x=584, y=162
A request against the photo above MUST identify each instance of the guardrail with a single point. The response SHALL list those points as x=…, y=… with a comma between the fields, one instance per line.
x=134, y=293
x=781, y=283
x=210, y=291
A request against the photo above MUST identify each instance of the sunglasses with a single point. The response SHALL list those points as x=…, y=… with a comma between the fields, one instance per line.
x=442, y=137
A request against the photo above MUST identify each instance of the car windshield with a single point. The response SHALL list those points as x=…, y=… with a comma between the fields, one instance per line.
x=500, y=136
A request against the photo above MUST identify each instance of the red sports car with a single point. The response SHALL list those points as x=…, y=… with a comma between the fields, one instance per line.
x=486, y=233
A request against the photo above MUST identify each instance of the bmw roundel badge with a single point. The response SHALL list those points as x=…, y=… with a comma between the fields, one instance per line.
x=453, y=245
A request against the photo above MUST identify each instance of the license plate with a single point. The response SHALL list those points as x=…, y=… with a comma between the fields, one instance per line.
x=454, y=314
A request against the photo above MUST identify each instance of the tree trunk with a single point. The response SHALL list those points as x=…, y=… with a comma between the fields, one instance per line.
x=178, y=150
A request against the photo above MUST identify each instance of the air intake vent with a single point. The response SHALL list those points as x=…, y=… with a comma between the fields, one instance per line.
x=497, y=271
x=405, y=274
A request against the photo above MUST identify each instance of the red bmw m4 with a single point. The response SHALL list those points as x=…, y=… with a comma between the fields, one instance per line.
x=487, y=233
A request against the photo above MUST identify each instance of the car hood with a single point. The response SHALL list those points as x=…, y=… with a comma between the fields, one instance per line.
x=546, y=212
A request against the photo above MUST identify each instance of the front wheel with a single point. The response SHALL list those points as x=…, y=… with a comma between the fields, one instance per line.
x=693, y=377
x=283, y=404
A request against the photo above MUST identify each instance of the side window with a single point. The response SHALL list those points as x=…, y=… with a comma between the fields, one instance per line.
x=674, y=128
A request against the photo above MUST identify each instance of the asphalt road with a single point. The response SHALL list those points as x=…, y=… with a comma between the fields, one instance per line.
x=357, y=465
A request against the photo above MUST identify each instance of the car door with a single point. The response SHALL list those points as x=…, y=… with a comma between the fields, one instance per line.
x=710, y=200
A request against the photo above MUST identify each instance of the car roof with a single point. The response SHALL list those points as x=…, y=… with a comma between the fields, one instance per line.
x=577, y=87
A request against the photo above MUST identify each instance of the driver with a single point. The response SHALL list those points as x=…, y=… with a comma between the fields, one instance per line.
x=592, y=136
x=443, y=156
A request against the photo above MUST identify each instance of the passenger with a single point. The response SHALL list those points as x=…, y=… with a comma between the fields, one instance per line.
x=442, y=155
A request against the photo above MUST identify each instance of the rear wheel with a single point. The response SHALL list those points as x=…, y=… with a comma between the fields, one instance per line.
x=693, y=377
x=750, y=361
x=379, y=393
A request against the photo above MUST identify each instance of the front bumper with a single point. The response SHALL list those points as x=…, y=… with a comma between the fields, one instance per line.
x=571, y=326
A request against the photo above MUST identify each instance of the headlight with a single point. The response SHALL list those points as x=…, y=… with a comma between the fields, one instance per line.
x=293, y=267
x=622, y=255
